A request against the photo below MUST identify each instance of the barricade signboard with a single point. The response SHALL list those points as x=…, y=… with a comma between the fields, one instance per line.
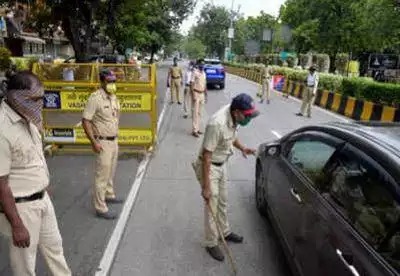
x=68, y=88
x=77, y=136
x=76, y=101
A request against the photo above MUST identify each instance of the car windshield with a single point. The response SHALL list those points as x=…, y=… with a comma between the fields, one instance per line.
x=212, y=61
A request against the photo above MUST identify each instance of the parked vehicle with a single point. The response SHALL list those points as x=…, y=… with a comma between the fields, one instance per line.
x=215, y=73
x=332, y=193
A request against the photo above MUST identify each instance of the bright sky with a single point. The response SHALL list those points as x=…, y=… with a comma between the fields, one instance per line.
x=247, y=7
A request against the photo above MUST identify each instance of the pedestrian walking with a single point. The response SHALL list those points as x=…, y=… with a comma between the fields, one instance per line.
x=199, y=90
x=219, y=139
x=100, y=121
x=309, y=92
x=266, y=85
x=187, y=93
x=175, y=81
x=27, y=217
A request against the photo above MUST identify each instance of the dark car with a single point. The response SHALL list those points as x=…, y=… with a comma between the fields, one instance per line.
x=332, y=194
x=215, y=73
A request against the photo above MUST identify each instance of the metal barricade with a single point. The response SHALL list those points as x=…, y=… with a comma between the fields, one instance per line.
x=67, y=89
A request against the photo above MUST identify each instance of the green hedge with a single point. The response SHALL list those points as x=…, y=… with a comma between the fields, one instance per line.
x=24, y=63
x=358, y=87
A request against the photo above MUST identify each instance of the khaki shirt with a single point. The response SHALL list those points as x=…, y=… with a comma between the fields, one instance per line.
x=21, y=154
x=199, y=81
x=176, y=72
x=103, y=111
x=219, y=135
x=267, y=73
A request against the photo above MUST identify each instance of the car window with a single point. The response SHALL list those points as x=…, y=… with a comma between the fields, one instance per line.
x=310, y=157
x=364, y=193
x=212, y=62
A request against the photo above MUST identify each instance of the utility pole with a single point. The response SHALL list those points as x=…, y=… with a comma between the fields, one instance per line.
x=230, y=32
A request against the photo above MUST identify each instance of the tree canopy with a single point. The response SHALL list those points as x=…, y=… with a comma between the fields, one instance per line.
x=148, y=25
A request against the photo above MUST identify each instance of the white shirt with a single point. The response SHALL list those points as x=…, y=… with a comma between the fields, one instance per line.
x=68, y=74
x=188, y=77
x=312, y=79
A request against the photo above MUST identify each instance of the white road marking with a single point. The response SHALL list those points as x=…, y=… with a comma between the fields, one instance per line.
x=276, y=134
x=111, y=250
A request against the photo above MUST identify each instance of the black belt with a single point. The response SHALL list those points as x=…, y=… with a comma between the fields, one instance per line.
x=108, y=138
x=310, y=86
x=175, y=78
x=36, y=196
x=217, y=164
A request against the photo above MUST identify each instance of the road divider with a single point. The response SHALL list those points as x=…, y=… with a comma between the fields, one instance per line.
x=357, y=109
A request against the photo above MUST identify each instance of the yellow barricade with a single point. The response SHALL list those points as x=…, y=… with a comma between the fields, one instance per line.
x=67, y=89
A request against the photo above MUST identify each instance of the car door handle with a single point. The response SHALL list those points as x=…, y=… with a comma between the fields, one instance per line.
x=295, y=195
x=349, y=266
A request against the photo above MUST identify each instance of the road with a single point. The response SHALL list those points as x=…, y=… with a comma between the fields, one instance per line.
x=164, y=232
x=84, y=236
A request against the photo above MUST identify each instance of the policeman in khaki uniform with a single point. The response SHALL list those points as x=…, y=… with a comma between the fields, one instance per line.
x=310, y=92
x=210, y=167
x=175, y=81
x=198, y=86
x=27, y=217
x=266, y=85
x=100, y=121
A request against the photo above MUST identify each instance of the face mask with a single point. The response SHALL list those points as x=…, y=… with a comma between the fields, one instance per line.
x=111, y=88
x=245, y=121
x=30, y=109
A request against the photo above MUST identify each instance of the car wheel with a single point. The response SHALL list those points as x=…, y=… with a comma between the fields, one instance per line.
x=222, y=86
x=261, y=201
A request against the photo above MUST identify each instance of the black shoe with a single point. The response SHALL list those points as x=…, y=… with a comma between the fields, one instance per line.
x=261, y=101
x=114, y=200
x=216, y=253
x=185, y=116
x=199, y=132
x=107, y=215
x=179, y=103
x=195, y=134
x=299, y=114
x=235, y=238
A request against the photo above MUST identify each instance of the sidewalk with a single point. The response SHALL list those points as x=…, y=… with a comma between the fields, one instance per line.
x=165, y=231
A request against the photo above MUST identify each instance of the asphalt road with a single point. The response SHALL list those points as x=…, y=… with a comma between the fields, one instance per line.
x=84, y=236
x=164, y=233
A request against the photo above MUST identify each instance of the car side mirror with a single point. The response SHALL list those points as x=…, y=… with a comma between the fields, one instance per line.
x=273, y=150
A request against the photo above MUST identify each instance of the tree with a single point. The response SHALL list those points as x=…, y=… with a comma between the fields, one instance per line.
x=349, y=26
x=194, y=48
x=148, y=25
x=212, y=27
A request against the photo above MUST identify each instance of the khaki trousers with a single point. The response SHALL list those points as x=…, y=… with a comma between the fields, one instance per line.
x=308, y=97
x=197, y=110
x=218, y=203
x=39, y=218
x=266, y=89
x=106, y=164
x=187, y=100
x=175, y=89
